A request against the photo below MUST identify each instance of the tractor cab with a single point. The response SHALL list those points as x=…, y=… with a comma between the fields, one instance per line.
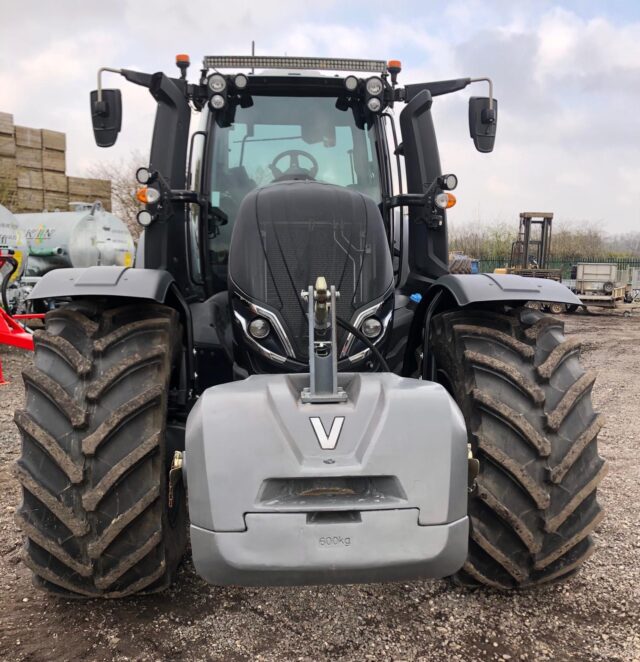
x=294, y=174
x=297, y=164
x=285, y=138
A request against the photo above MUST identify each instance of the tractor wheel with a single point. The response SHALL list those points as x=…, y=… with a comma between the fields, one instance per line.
x=93, y=467
x=557, y=308
x=527, y=404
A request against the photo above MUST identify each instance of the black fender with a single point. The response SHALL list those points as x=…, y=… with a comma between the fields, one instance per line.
x=127, y=283
x=484, y=288
x=150, y=284
x=458, y=290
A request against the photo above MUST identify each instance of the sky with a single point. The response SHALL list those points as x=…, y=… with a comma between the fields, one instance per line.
x=566, y=74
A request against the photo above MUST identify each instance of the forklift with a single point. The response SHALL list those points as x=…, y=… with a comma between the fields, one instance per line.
x=530, y=252
x=530, y=256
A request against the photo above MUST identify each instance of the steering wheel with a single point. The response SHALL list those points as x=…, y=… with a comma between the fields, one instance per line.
x=294, y=170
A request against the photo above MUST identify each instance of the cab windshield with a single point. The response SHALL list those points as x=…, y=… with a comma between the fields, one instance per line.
x=280, y=138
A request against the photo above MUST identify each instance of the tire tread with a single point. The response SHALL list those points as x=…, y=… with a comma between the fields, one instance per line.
x=527, y=404
x=106, y=371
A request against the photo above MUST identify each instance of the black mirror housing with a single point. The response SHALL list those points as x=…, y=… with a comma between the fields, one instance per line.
x=483, y=122
x=106, y=116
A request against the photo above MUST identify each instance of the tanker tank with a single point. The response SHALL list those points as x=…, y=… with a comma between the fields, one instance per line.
x=85, y=237
x=12, y=243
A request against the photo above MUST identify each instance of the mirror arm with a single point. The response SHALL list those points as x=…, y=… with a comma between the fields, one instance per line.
x=135, y=77
x=115, y=71
x=487, y=80
x=435, y=88
x=440, y=87
x=488, y=114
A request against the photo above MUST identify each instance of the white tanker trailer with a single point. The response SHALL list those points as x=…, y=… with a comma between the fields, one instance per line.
x=12, y=243
x=87, y=236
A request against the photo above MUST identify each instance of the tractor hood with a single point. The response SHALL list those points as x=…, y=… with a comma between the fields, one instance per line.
x=289, y=233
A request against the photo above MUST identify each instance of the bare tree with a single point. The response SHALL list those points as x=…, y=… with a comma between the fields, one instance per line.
x=122, y=175
x=625, y=244
x=482, y=239
x=570, y=240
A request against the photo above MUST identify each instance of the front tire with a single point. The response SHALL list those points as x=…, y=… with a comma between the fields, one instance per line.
x=527, y=404
x=93, y=466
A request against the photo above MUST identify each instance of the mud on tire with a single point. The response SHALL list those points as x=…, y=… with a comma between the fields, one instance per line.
x=527, y=404
x=93, y=467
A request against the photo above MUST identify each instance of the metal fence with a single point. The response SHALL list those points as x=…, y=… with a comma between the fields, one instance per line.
x=488, y=264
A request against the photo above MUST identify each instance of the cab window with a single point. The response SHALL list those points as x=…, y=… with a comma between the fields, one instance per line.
x=279, y=138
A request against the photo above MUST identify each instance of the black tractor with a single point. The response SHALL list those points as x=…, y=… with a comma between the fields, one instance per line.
x=291, y=352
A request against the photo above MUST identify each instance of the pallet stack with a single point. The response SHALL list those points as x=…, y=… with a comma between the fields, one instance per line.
x=81, y=189
x=8, y=171
x=32, y=171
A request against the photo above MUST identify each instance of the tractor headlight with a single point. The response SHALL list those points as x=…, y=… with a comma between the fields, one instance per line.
x=351, y=83
x=241, y=81
x=374, y=104
x=144, y=218
x=372, y=327
x=217, y=101
x=448, y=182
x=143, y=175
x=217, y=83
x=374, y=86
x=259, y=328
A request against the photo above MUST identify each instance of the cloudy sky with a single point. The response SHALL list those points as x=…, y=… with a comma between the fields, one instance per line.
x=566, y=73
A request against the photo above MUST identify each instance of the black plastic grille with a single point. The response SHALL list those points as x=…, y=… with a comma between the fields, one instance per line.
x=289, y=234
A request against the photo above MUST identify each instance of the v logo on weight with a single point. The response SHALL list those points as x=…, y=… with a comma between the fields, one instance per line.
x=328, y=441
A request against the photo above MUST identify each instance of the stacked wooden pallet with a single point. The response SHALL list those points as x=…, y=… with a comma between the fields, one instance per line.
x=81, y=189
x=8, y=172
x=32, y=171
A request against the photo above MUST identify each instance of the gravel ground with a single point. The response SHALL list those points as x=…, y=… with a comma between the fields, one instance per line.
x=592, y=616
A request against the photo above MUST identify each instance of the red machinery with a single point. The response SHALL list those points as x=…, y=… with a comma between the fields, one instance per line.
x=12, y=332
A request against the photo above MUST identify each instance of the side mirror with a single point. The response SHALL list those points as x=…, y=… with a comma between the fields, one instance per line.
x=106, y=116
x=483, y=122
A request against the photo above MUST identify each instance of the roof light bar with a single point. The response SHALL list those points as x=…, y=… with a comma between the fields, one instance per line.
x=324, y=63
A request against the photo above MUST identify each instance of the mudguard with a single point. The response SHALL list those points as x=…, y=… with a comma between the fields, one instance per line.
x=478, y=288
x=283, y=492
x=104, y=281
